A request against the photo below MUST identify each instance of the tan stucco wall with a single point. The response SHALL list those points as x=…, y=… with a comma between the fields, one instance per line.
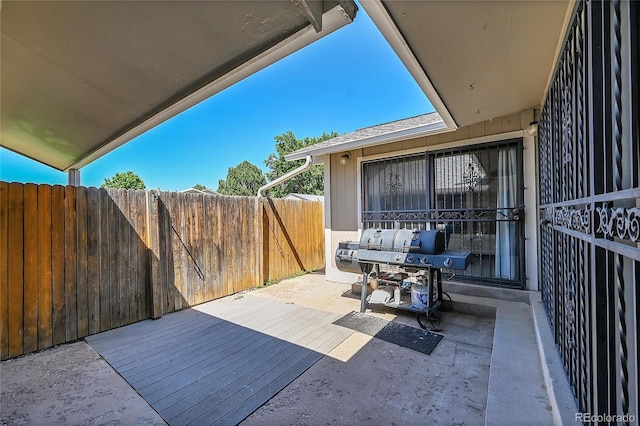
x=344, y=201
x=342, y=181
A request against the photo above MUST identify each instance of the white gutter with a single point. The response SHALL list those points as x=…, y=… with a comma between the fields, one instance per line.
x=287, y=176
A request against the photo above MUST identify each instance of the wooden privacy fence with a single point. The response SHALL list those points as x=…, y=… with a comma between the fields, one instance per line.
x=76, y=261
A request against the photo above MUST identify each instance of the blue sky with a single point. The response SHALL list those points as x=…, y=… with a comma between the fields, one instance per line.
x=345, y=81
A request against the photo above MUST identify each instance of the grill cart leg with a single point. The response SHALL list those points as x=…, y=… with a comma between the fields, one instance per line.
x=366, y=269
x=363, y=292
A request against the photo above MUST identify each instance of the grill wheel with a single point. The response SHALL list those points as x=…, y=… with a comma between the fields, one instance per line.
x=431, y=318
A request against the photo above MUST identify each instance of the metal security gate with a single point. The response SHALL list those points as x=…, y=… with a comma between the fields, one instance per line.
x=473, y=194
x=589, y=156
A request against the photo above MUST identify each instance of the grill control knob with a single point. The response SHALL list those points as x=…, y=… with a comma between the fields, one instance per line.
x=424, y=260
x=410, y=259
x=448, y=262
x=398, y=257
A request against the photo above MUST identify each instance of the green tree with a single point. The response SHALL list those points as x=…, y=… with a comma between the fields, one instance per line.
x=126, y=180
x=243, y=179
x=308, y=182
x=199, y=187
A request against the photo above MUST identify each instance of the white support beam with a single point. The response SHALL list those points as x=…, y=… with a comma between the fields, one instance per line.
x=74, y=177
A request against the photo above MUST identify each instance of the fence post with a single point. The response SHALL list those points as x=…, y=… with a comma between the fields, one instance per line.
x=259, y=239
x=153, y=244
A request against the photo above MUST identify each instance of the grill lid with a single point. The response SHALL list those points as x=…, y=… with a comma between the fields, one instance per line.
x=403, y=240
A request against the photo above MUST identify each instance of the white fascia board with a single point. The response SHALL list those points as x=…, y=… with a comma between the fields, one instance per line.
x=406, y=134
x=379, y=15
x=332, y=20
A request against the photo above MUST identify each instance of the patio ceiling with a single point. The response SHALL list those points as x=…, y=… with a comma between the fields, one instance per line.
x=475, y=60
x=81, y=78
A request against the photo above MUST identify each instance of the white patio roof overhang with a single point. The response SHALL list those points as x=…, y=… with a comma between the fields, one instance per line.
x=79, y=79
x=474, y=60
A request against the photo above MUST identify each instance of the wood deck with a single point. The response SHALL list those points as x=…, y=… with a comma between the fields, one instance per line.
x=218, y=362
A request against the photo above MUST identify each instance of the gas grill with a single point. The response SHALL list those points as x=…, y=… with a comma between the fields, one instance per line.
x=419, y=252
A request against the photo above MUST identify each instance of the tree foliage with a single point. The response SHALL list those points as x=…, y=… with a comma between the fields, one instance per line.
x=126, y=180
x=243, y=179
x=308, y=182
x=199, y=187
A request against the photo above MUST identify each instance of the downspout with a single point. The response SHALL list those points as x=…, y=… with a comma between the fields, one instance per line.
x=286, y=176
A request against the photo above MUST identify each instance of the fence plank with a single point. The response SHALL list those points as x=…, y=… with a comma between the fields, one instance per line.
x=164, y=233
x=93, y=260
x=258, y=239
x=123, y=258
x=216, y=257
x=4, y=270
x=174, y=272
x=173, y=250
x=167, y=253
x=143, y=257
x=45, y=303
x=266, y=242
x=236, y=241
x=154, y=245
x=183, y=233
x=198, y=262
x=15, y=272
x=31, y=265
x=104, y=200
x=229, y=246
x=133, y=256
x=275, y=252
x=264, y=230
x=70, y=254
x=248, y=251
x=239, y=242
x=81, y=262
x=185, y=237
x=114, y=246
x=57, y=263
x=140, y=215
x=169, y=249
x=207, y=248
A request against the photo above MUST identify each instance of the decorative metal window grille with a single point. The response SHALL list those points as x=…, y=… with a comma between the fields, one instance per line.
x=589, y=156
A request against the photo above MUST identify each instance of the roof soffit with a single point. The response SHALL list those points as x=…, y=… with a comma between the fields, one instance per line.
x=485, y=59
x=81, y=78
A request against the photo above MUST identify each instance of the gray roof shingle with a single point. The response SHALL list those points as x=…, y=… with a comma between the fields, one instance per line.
x=407, y=128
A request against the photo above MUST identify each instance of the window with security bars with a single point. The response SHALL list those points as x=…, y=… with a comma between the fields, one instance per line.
x=474, y=195
x=395, y=192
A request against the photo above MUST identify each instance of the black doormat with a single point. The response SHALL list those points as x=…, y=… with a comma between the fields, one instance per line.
x=402, y=335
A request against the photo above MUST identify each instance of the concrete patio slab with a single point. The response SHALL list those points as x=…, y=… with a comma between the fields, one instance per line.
x=69, y=385
x=370, y=381
x=486, y=370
